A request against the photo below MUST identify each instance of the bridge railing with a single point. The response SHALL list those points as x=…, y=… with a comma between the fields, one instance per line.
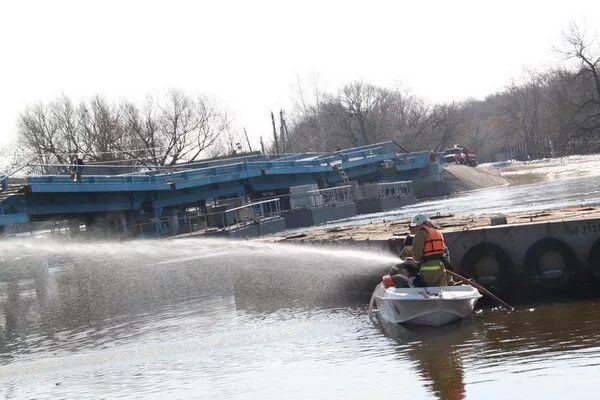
x=4, y=178
x=386, y=190
x=217, y=222
x=321, y=197
x=61, y=179
x=37, y=169
x=102, y=173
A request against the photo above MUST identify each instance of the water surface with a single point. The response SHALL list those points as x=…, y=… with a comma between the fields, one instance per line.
x=239, y=320
x=539, y=196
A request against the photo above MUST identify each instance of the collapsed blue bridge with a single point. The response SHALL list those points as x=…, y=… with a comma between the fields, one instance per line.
x=158, y=191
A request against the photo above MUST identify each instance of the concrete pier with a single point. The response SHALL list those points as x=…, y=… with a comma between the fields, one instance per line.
x=384, y=196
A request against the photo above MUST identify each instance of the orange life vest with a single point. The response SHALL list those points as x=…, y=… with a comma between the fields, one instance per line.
x=434, y=244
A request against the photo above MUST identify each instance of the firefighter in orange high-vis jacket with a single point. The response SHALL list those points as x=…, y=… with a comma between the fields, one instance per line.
x=429, y=251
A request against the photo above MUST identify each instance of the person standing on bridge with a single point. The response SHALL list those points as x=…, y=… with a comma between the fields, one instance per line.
x=77, y=168
x=429, y=251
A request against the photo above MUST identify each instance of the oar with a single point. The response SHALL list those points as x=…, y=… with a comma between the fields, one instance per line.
x=482, y=289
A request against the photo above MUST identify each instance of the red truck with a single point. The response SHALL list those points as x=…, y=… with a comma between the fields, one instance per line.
x=460, y=155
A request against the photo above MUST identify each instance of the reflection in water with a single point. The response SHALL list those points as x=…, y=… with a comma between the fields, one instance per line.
x=494, y=344
x=237, y=320
x=436, y=354
x=96, y=285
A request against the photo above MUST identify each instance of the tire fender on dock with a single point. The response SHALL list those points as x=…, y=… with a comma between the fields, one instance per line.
x=594, y=260
x=489, y=265
x=551, y=263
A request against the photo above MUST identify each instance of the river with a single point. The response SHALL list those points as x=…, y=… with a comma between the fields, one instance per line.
x=219, y=319
x=578, y=191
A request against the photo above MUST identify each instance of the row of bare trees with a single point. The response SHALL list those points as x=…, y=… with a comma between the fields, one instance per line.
x=161, y=131
x=555, y=112
x=359, y=114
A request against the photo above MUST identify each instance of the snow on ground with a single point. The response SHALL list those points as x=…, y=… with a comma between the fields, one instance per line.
x=550, y=168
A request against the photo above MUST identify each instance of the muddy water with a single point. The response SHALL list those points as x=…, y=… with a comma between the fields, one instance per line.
x=238, y=320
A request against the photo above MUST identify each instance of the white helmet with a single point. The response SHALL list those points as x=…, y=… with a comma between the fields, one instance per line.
x=419, y=219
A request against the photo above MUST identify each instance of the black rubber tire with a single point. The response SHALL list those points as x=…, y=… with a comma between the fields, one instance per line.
x=537, y=250
x=594, y=260
x=488, y=249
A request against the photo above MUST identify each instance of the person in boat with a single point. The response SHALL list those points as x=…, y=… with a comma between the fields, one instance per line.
x=407, y=268
x=429, y=251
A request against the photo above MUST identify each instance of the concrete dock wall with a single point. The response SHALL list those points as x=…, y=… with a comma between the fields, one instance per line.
x=319, y=215
x=546, y=254
x=549, y=253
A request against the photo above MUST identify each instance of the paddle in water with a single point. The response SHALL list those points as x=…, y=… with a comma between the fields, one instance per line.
x=482, y=289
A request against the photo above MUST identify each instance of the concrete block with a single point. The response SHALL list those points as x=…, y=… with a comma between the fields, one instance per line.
x=319, y=215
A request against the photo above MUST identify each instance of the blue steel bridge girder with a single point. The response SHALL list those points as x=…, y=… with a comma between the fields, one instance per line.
x=193, y=197
x=11, y=219
x=265, y=185
x=189, y=184
x=89, y=207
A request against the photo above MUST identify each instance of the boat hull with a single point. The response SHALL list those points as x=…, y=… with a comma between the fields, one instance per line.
x=434, y=306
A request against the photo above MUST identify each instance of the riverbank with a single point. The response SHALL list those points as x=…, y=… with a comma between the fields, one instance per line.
x=548, y=169
x=460, y=178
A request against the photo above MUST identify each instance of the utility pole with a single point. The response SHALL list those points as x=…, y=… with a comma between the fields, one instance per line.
x=247, y=140
x=282, y=133
x=275, y=134
x=287, y=135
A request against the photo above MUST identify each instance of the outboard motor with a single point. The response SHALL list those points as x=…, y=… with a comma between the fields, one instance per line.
x=388, y=282
x=397, y=281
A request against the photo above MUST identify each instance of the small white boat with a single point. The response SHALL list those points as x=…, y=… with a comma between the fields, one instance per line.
x=433, y=306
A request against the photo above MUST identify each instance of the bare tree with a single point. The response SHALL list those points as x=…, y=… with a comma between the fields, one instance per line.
x=523, y=107
x=361, y=101
x=162, y=131
x=68, y=125
x=442, y=128
x=586, y=81
x=314, y=126
x=230, y=143
x=359, y=114
x=101, y=130
x=39, y=132
x=188, y=126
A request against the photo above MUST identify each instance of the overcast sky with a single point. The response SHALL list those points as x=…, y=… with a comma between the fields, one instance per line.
x=250, y=54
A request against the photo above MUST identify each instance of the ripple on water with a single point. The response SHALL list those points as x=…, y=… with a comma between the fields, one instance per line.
x=282, y=328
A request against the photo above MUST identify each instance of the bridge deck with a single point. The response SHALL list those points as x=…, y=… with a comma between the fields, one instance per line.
x=185, y=184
